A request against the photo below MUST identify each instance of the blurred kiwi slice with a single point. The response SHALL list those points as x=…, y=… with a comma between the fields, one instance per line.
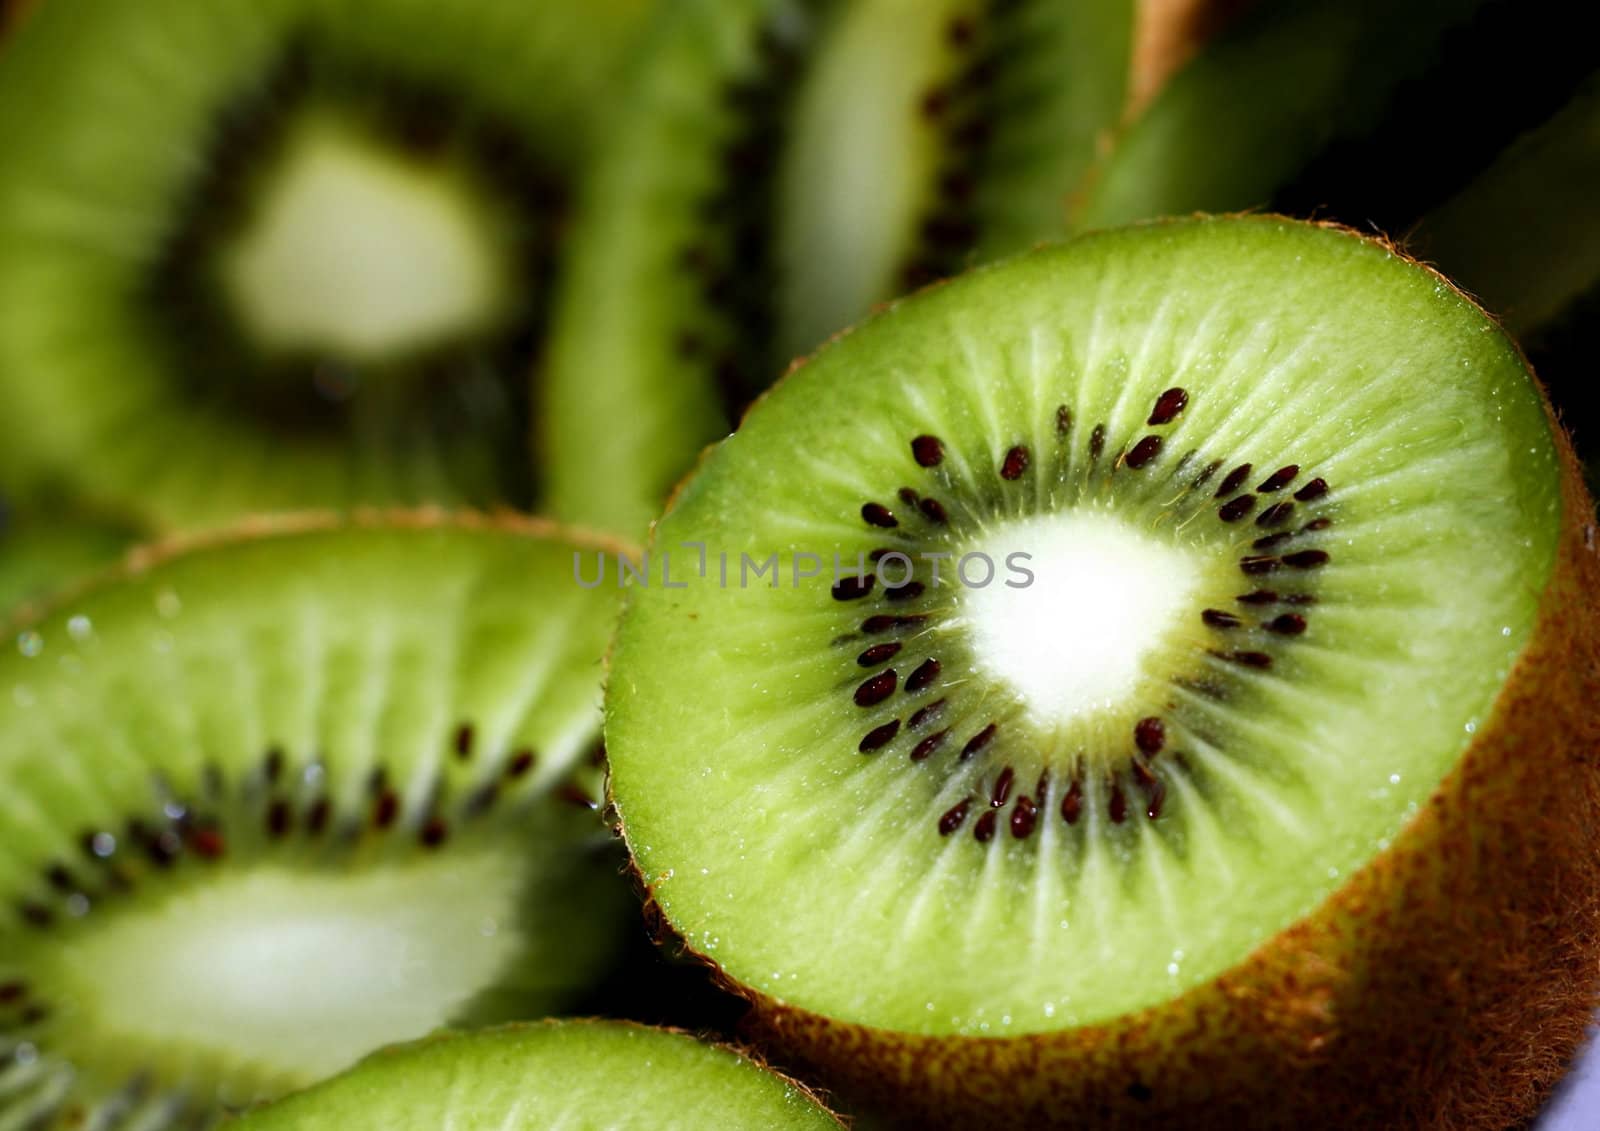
x=576, y=1075
x=1148, y=679
x=781, y=165
x=271, y=254
x=278, y=799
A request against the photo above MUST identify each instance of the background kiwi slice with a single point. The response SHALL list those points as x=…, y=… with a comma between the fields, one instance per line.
x=582, y=1075
x=780, y=166
x=276, y=801
x=1265, y=781
x=265, y=254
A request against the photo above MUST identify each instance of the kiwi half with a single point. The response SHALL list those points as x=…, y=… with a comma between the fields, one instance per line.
x=274, y=254
x=781, y=165
x=1238, y=763
x=277, y=800
x=573, y=1075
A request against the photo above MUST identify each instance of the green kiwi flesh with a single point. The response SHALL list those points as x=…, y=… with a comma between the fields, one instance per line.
x=781, y=166
x=275, y=254
x=279, y=799
x=1291, y=504
x=575, y=1075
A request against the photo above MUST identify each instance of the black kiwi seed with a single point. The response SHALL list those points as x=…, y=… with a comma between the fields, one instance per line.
x=1216, y=618
x=928, y=745
x=1143, y=452
x=1097, y=441
x=1023, y=817
x=876, y=514
x=879, y=737
x=1150, y=735
x=1280, y=479
x=876, y=689
x=463, y=741
x=1015, y=463
x=924, y=714
x=1063, y=420
x=983, y=829
x=923, y=677
x=878, y=654
x=951, y=821
x=1072, y=803
x=1002, y=787
x=1235, y=509
x=1168, y=405
x=1117, y=807
x=978, y=741
x=1313, y=490
x=933, y=511
x=1287, y=624
x=1233, y=480
x=1275, y=515
x=1306, y=559
x=853, y=588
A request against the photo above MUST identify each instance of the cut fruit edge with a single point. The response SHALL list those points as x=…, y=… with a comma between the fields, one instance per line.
x=1281, y=1001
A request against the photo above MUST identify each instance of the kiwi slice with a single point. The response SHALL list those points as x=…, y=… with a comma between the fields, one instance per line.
x=1285, y=83
x=271, y=254
x=576, y=1075
x=278, y=800
x=1236, y=761
x=781, y=166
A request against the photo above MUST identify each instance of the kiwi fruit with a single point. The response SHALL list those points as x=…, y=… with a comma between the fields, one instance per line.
x=1284, y=84
x=780, y=166
x=576, y=1075
x=282, y=796
x=1236, y=766
x=279, y=254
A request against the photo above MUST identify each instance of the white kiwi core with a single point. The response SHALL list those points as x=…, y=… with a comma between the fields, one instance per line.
x=296, y=974
x=1074, y=635
x=365, y=254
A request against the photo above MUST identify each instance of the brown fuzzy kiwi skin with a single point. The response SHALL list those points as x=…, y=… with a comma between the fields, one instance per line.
x=1447, y=984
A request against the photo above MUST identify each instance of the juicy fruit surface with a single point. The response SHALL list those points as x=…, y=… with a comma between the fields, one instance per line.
x=555, y=1076
x=781, y=166
x=269, y=255
x=274, y=803
x=1259, y=467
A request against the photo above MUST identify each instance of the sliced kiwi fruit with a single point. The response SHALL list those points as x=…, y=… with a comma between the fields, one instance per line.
x=1238, y=761
x=781, y=166
x=1284, y=84
x=281, y=798
x=576, y=1075
x=270, y=254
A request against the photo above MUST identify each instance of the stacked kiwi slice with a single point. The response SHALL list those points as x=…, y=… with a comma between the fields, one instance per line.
x=269, y=254
x=1147, y=680
x=782, y=165
x=281, y=798
x=577, y=1075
